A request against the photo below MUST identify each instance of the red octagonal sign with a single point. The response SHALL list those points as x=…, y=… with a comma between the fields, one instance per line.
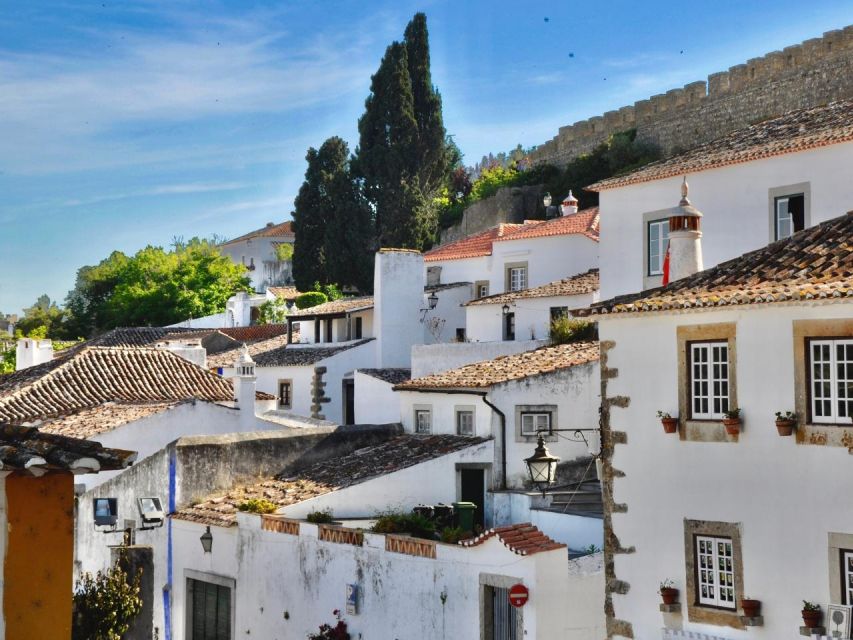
x=518, y=595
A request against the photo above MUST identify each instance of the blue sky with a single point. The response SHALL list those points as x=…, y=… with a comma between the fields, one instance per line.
x=127, y=123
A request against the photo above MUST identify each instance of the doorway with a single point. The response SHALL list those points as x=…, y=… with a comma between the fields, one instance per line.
x=473, y=489
x=501, y=619
x=349, y=402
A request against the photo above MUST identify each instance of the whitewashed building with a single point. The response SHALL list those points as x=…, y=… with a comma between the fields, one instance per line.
x=256, y=251
x=742, y=511
x=754, y=185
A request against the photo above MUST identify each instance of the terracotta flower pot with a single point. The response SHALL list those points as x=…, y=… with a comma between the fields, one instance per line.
x=669, y=595
x=732, y=426
x=670, y=425
x=751, y=608
x=785, y=427
x=811, y=619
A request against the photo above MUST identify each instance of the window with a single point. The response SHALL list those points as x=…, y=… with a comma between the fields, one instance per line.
x=509, y=326
x=846, y=576
x=831, y=389
x=481, y=289
x=460, y=334
x=658, y=237
x=209, y=611
x=517, y=278
x=465, y=423
x=789, y=215
x=423, y=421
x=532, y=423
x=285, y=398
x=715, y=572
x=559, y=312
x=709, y=380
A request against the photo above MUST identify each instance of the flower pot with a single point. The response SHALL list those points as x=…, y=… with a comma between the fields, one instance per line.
x=811, y=619
x=785, y=427
x=669, y=595
x=751, y=608
x=670, y=425
x=732, y=426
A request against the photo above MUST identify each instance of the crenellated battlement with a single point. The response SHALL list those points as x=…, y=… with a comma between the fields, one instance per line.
x=816, y=71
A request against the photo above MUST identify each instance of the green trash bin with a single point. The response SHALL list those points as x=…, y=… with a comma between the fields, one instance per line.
x=465, y=515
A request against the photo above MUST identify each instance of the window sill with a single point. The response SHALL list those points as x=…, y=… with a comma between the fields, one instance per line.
x=715, y=616
x=705, y=431
x=828, y=435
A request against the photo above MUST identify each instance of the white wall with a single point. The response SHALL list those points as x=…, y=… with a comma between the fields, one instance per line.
x=261, y=250
x=30, y=352
x=784, y=495
x=398, y=288
x=375, y=401
x=485, y=322
x=577, y=532
x=428, y=359
x=401, y=596
x=735, y=204
x=548, y=259
x=449, y=311
x=463, y=270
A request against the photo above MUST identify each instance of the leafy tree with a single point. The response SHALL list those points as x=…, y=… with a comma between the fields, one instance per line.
x=331, y=291
x=272, y=311
x=284, y=252
x=8, y=358
x=105, y=604
x=43, y=319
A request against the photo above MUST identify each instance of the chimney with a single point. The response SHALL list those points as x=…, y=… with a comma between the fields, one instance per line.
x=244, y=387
x=31, y=351
x=685, y=238
x=398, y=296
x=569, y=205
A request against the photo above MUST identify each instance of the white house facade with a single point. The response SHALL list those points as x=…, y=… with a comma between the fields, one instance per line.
x=257, y=251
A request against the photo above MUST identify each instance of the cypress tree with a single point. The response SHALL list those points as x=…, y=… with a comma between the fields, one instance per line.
x=310, y=218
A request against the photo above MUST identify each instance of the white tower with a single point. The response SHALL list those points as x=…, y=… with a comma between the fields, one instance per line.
x=685, y=238
x=245, y=384
x=569, y=205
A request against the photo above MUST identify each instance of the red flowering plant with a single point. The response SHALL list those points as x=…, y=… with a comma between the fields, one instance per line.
x=328, y=632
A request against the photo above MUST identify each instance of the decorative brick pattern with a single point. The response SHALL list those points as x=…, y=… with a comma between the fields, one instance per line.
x=279, y=525
x=340, y=535
x=410, y=546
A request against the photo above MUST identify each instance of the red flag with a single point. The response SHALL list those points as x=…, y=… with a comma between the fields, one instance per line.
x=666, y=266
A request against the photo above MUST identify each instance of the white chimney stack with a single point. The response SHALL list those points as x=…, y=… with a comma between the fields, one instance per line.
x=31, y=351
x=685, y=238
x=245, y=386
x=398, y=297
x=569, y=205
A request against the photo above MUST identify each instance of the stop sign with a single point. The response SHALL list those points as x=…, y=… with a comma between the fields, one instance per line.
x=518, y=595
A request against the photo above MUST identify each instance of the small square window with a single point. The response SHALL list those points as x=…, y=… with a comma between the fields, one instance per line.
x=535, y=423
x=831, y=374
x=423, y=421
x=481, y=289
x=789, y=215
x=465, y=423
x=517, y=278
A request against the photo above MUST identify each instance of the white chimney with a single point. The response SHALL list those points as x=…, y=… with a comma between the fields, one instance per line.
x=569, y=205
x=31, y=352
x=245, y=385
x=685, y=238
x=398, y=297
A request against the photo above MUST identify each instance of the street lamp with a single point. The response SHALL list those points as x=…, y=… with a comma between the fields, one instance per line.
x=206, y=540
x=546, y=200
x=505, y=309
x=432, y=303
x=542, y=466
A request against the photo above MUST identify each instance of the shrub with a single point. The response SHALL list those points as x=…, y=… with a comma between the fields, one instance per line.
x=310, y=299
x=328, y=632
x=412, y=523
x=331, y=291
x=564, y=330
x=452, y=535
x=258, y=505
x=105, y=604
x=320, y=517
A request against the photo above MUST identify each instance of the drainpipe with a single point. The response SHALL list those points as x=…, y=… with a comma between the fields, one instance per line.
x=503, y=438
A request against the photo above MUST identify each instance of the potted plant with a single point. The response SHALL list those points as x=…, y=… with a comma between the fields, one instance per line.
x=751, y=608
x=785, y=422
x=667, y=592
x=670, y=424
x=732, y=421
x=811, y=614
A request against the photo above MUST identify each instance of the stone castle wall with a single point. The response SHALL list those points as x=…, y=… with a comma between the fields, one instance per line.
x=815, y=72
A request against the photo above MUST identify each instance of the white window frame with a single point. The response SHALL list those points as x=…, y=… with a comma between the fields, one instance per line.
x=847, y=576
x=423, y=426
x=715, y=572
x=466, y=414
x=278, y=402
x=710, y=379
x=517, y=278
x=482, y=289
x=780, y=215
x=839, y=389
x=537, y=422
x=661, y=242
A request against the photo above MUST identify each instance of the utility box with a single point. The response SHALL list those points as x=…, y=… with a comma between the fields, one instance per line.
x=465, y=515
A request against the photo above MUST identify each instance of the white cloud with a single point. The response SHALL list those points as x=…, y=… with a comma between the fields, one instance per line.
x=159, y=190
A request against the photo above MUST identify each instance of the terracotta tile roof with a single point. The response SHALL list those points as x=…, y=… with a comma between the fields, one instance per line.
x=255, y=332
x=302, y=356
x=138, y=336
x=474, y=246
x=27, y=448
x=93, y=376
x=795, y=131
x=92, y=421
x=226, y=359
x=335, y=307
x=813, y=264
x=287, y=293
x=584, y=222
x=575, y=285
x=271, y=230
x=323, y=477
x=524, y=539
x=390, y=375
x=480, y=375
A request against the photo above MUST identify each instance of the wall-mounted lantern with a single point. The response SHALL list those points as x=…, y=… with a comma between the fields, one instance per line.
x=432, y=303
x=207, y=540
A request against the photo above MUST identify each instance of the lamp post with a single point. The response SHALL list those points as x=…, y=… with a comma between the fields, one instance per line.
x=432, y=303
x=542, y=465
x=207, y=540
x=505, y=309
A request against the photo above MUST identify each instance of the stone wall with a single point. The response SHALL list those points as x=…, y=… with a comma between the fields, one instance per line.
x=815, y=72
x=509, y=204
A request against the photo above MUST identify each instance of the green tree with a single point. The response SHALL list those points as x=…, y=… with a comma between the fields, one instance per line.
x=42, y=320
x=105, y=604
x=310, y=219
x=273, y=311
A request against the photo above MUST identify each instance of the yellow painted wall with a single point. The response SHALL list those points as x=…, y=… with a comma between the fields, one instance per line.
x=39, y=557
